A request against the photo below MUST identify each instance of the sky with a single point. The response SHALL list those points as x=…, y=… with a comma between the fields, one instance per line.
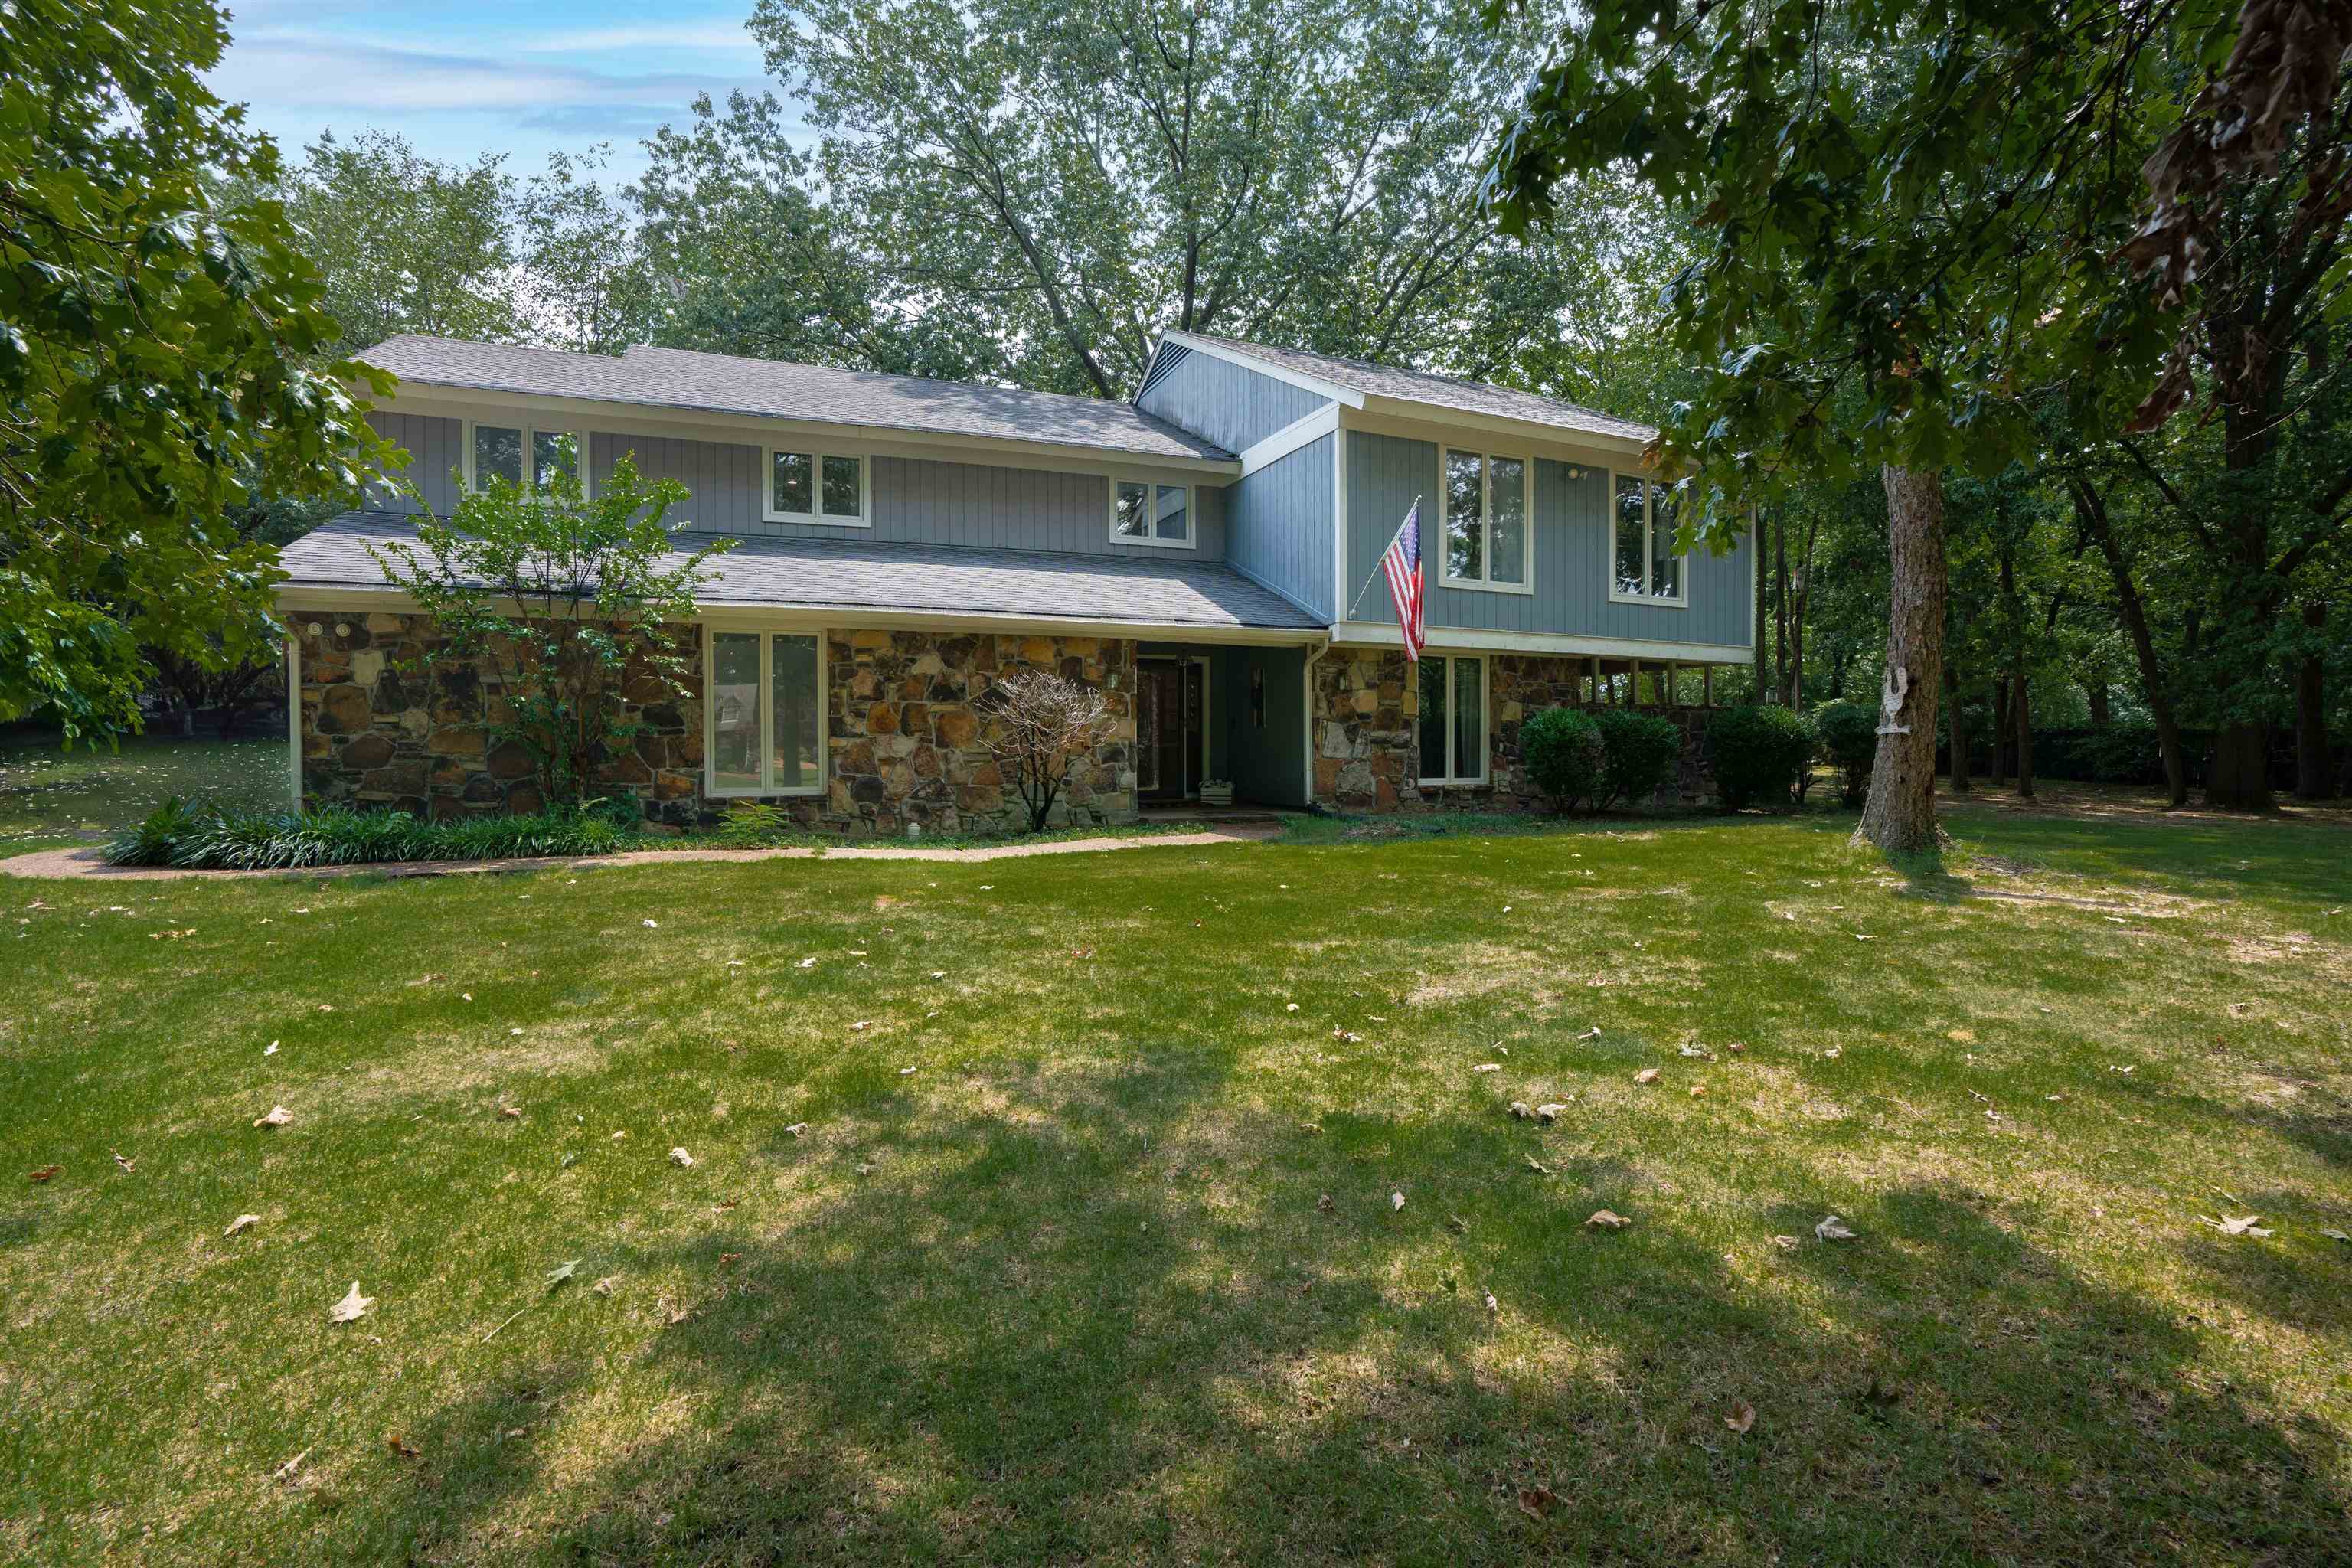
x=458, y=79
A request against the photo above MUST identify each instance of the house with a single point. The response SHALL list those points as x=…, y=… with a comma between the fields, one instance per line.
x=1208, y=555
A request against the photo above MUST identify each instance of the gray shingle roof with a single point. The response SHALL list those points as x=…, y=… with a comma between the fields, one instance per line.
x=822, y=573
x=724, y=383
x=1439, y=391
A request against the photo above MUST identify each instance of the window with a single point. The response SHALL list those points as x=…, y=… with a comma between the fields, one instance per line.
x=1453, y=720
x=1486, y=533
x=1643, y=567
x=765, y=715
x=524, y=456
x=811, y=486
x=1145, y=512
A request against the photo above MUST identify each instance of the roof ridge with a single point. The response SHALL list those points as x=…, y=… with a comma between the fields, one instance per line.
x=1273, y=351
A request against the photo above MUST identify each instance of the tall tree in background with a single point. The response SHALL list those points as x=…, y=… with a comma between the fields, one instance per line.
x=162, y=355
x=1073, y=180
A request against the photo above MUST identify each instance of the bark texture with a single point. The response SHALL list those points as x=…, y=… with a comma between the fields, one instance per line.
x=2311, y=716
x=1900, y=818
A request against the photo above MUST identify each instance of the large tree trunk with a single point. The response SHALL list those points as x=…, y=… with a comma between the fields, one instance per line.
x=1900, y=816
x=2094, y=692
x=2091, y=509
x=2001, y=731
x=1756, y=529
x=1955, y=718
x=2311, y=716
x=2240, y=778
x=2021, y=707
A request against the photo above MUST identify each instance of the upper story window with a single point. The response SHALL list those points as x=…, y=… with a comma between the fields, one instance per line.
x=1144, y=512
x=1643, y=567
x=527, y=457
x=1486, y=533
x=806, y=484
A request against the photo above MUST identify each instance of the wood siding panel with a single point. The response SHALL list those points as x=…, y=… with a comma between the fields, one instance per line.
x=436, y=449
x=1280, y=531
x=1232, y=406
x=1571, y=557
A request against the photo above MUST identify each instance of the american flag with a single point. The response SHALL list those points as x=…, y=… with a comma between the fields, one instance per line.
x=1402, y=564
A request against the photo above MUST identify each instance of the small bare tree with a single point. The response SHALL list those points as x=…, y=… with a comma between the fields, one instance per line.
x=1042, y=724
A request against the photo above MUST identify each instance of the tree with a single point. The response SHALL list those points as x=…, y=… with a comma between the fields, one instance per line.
x=1066, y=182
x=164, y=354
x=1039, y=724
x=567, y=601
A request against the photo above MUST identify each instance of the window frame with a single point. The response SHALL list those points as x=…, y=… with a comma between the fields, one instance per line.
x=531, y=429
x=1650, y=487
x=1486, y=718
x=1486, y=583
x=1192, y=539
x=816, y=453
x=767, y=636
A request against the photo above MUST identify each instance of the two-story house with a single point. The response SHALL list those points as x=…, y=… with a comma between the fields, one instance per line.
x=1207, y=555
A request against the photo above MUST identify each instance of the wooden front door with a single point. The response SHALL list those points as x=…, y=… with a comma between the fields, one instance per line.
x=1170, y=697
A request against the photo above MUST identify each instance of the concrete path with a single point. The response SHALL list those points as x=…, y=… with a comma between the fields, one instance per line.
x=85, y=863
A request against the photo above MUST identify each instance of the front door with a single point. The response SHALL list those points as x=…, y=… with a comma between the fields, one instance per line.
x=1170, y=697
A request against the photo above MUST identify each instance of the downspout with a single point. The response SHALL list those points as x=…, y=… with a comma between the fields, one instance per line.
x=1307, y=709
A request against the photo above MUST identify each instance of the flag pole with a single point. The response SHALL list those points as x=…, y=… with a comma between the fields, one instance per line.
x=1375, y=574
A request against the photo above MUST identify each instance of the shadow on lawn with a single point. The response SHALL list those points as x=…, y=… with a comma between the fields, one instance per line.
x=1106, y=1320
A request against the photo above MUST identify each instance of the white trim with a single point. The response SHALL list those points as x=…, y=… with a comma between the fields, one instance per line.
x=1298, y=433
x=1192, y=539
x=767, y=636
x=817, y=516
x=1378, y=407
x=1374, y=632
x=1450, y=780
x=294, y=709
x=1285, y=596
x=1649, y=548
x=1487, y=584
x=672, y=422
x=1306, y=379
x=1543, y=441
x=530, y=430
x=818, y=617
x=1342, y=524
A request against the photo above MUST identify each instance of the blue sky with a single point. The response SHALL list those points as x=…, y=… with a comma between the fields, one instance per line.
x=457, y=79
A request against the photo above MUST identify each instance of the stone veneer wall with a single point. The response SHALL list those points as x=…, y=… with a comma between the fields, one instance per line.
x=1367, y=758
x=905, y=743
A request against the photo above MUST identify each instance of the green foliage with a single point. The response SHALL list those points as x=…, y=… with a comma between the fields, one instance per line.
x=190, y=837
x=1760, y=752
x=159, y=349
x=1563, y=753
x=756, y=825
x=1849, y=742
x=570, y=600
x=1639, y=751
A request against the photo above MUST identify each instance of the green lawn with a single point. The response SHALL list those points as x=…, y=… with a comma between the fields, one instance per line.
x=1066, y=1292
x=50, y=796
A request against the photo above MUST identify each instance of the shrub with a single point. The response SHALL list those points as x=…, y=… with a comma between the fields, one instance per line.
x=1638, y=755
x=264, y=840
x=1849, y=737
x=757, y=824
x=1761, y=753
x=1039, y=725
x=1563, y=751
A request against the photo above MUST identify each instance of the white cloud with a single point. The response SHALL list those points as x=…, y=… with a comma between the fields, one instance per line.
x=356, y=78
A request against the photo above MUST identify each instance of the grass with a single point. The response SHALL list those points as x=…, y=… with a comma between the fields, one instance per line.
x=1066, y=1292
x=50, y=796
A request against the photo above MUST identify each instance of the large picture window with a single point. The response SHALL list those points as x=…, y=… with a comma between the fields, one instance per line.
x=764, y=719
x=805, y=485
x=1452, y=719
x=1143, y=511
x=1643, y=567
x=525, y=456
x=1487, y=533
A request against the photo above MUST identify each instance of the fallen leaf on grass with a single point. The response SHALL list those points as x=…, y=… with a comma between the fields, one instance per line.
x=1537, y=1166
x=270, y=1049
x=1519, y=1110
x=285, y=1473
x=653, y=925
x=862, y=1024
x=402, y=1447
x=2243, y=1224
x=1607, y=1219
x=1493, y=1307
x=2335, y=1234
x=607, y=1285
x=1785, y=1243
x=1591, y=1034
x=1537, y=1502
x=1833, y=1229
x=352, y=1307
x=681, y=1157
x=126, y=1165
x=797, y=1127
x=279, y=1117
x=44, y=1174
x=562, y=1272
x=1742, y=1416
x=511, y=1111
x=1396, y=1201
x=1647, y=1075
x=1488, y=1067
x=905, y=1072
x=1549, y=1113
x=1697, y=1089
x=242, y=1222
x=730, y=1257
x=1325, y=1206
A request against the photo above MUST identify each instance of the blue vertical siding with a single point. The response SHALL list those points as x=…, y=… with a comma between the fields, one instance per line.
x=1232, y=406
x=434, y=446
x=1570, y=518
x=1280, y=525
